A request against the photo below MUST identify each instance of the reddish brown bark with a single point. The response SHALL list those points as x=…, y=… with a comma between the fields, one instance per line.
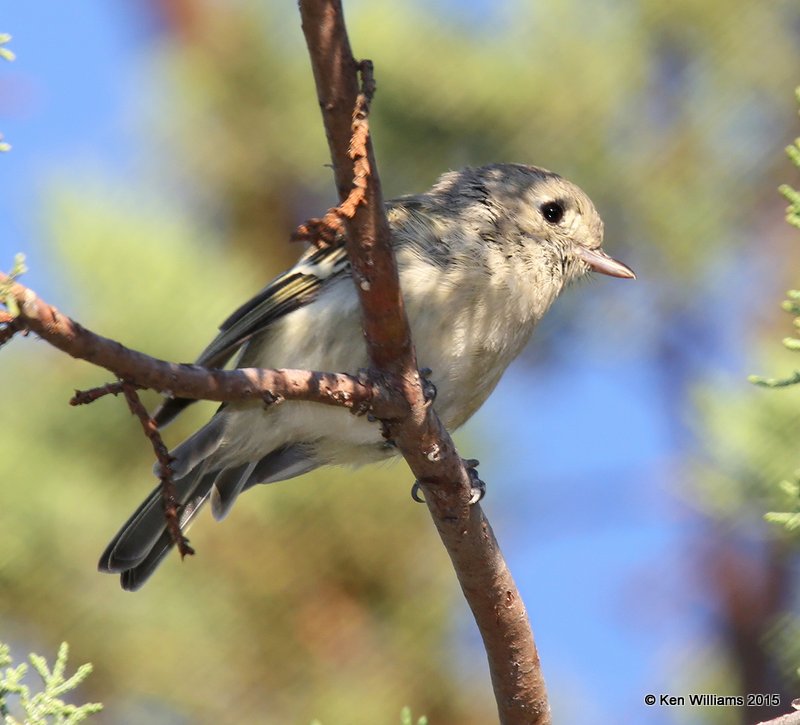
x=357, y=393
x=427, y=447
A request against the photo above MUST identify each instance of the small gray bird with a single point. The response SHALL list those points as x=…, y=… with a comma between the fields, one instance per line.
x=481, y=256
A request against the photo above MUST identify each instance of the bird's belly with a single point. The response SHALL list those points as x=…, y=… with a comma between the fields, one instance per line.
x=466, y=348
x=467, y=352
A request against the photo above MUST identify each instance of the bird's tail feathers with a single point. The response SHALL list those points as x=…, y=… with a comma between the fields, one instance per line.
x=144, y=540
x=278, y=465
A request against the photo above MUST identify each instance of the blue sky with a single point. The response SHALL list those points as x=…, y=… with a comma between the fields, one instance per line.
x=52, y=121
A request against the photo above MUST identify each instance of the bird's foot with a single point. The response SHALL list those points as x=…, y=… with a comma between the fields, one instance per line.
x=477, y=487
x=428, y=388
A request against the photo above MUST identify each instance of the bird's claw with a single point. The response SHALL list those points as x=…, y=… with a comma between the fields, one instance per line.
x=477, y=487
x=429, y=391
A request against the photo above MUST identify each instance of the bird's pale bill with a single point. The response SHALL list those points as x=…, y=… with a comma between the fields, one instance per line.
x=599, y=261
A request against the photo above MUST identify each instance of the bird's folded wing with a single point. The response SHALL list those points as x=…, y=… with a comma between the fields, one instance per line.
x=289, y=291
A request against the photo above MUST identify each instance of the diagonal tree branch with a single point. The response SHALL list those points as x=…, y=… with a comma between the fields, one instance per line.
x=792, y=718
x=360, y=393
x=427, y=447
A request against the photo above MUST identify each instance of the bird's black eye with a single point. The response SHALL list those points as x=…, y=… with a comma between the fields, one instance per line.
x=552, y=211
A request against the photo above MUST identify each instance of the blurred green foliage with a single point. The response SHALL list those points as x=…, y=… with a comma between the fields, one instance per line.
x=788, y=490
x=329, y=596
x=5, y=53
x=405, y=718
x=791, y=194
x=750, y=440
x=17, y=270
x=45, y=707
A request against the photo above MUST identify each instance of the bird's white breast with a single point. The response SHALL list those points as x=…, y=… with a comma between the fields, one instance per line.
x=469, y=320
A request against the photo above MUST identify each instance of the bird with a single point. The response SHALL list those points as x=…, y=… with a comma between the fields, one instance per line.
x=481, y=257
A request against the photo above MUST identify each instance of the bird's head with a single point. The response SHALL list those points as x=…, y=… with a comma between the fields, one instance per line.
x=557, y=213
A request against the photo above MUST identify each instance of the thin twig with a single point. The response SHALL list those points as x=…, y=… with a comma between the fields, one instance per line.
x=359, y=147
x=168, y=493
x=85, y=397
x=329, y=230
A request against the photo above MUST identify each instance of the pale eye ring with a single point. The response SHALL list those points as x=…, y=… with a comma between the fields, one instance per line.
x=552, y=211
